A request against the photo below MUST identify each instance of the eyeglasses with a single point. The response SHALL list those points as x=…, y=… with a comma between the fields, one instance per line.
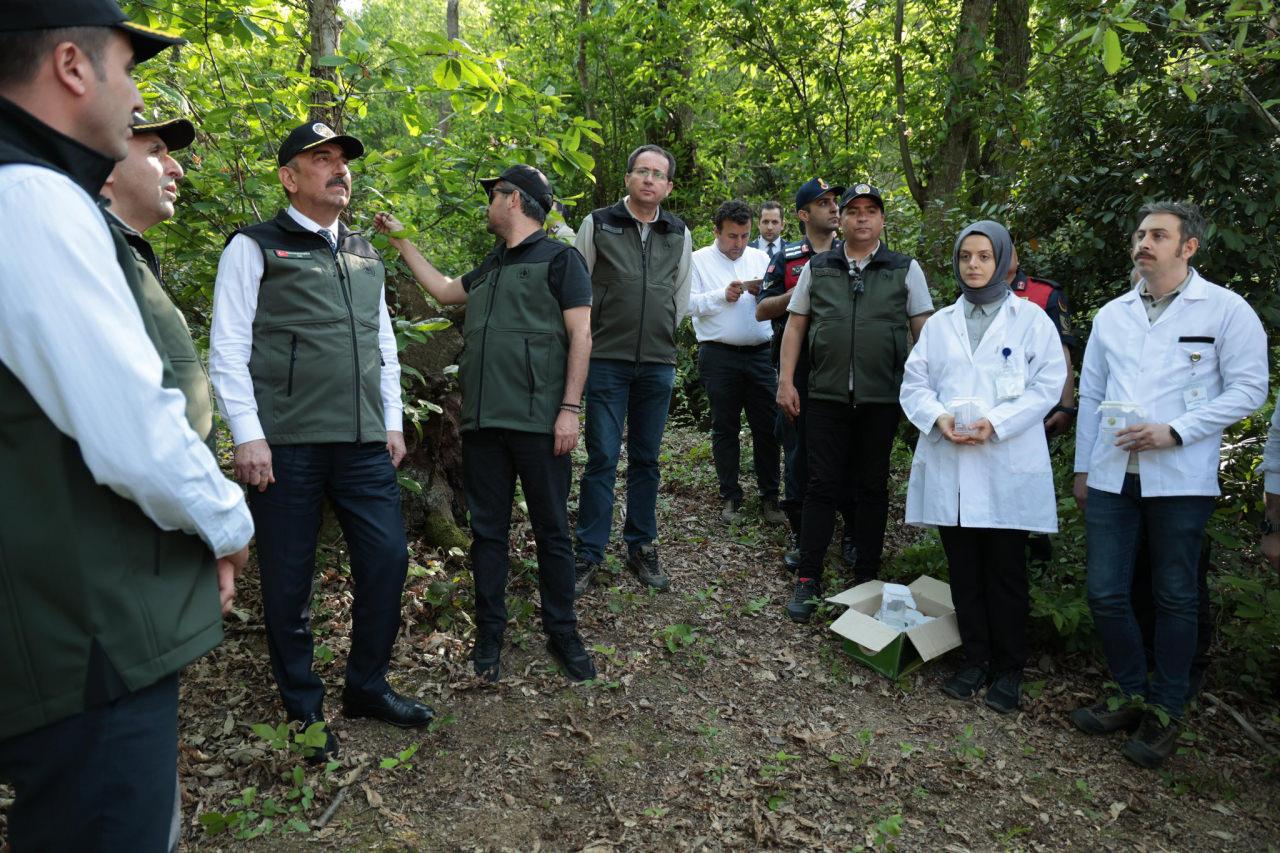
x=656, y=174
x=498, y=190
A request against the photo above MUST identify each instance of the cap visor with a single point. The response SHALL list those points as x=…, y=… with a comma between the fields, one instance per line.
x=488, y=184
x=176, y=133
x=146, y=41
x=352, y=148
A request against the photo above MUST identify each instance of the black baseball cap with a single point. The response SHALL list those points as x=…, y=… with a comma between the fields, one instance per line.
x=862, y=191
x=23, y=15
x=175, y=133
x=304, y=137
x=814, y=188
x=526, y=178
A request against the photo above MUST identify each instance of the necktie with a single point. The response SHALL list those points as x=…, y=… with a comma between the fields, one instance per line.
x=328, y=238
x=770, y=249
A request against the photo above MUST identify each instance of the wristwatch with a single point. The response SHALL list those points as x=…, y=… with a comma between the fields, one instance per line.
x=1070, y=410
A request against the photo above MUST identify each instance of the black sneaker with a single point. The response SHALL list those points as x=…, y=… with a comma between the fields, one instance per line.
x=1153, y=742
x=1101, y=719
x=568, y=650
x=644, y=563
x=966, y=683
x=849, y=552
x=583, y=572
x=486, y=657
x=1003, y=694
x=804, y=599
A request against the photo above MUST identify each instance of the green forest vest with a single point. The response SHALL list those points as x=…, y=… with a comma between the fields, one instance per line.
x=96, y=601
x=182, y=366
x=633, y=287
x=512, y=369
x=316, y=363
x=867, y=328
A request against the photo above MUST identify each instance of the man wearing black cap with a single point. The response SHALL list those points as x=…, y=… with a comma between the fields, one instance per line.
x=528, y=342
x=854, y=305
x=121, y=538
x=303, y=360
x=816, y=210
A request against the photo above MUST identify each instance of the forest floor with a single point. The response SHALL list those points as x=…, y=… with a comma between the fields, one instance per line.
x=715, y=724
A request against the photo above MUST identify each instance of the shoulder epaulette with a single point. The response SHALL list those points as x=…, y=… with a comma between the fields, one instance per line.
x=1038, y=280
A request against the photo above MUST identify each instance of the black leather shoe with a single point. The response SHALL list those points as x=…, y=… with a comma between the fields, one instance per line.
x=1107, y=716
x=571, y=654
x=388, y=706
x=486, y=657
x=965, y=683
x=321, y=754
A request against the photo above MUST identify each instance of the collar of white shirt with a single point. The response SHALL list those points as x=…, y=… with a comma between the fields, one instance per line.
x=310, y=224
x=861, y=263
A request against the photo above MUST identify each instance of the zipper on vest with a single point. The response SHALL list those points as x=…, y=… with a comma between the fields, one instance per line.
x=644, y=286
x=345, y=286
x=293, y=359
x=484, y=337
x=528, y=369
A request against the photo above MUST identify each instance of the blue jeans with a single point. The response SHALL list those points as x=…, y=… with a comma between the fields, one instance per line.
x=639, y=395
x=101, y=780
x=1175, y=528
x=360, y=482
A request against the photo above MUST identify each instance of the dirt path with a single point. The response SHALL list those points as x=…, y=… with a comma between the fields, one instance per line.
x=752, y=733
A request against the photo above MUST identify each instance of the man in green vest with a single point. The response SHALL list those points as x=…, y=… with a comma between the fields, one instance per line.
x=528, y=341
x=303, y=359
x=119, y=537
x=854, y=304
x=639, y=257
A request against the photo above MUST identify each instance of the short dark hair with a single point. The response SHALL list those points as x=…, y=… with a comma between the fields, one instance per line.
x=735, y=211
x=528, y=206
x=771, y=205
x=653, y=149
x=1190, y=220
x=21, y=51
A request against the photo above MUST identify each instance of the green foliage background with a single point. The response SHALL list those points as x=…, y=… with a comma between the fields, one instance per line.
x=1072, y=113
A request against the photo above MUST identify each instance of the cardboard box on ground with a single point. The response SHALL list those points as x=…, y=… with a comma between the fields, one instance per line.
x=890, y=652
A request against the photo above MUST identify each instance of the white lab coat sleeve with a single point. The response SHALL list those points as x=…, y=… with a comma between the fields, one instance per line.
x=1093, y=388
x=1045, y=374
x=1242, y=363
x=918, y=396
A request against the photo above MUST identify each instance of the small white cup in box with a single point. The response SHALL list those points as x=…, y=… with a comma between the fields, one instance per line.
x=967, y=411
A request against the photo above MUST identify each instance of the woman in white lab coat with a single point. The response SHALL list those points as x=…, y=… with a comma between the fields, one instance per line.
x=978, y=384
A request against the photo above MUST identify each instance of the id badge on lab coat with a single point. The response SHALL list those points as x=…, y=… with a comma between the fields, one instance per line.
x=1194, y=396
x=1011, y=381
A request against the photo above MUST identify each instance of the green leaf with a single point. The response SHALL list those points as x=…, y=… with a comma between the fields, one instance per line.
x=1133, y=26
x=447, y=75
x=1111, y=53
x=333, y=61
x=1179, y=10
x=1086, y=33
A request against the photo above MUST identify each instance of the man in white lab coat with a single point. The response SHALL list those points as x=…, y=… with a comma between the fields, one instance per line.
x=1169, y=365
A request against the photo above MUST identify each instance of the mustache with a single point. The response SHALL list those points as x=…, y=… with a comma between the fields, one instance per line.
x=338, y=181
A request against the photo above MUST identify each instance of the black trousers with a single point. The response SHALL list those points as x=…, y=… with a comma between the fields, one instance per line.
x=795, y=462
x=360, y=482
x=738, y=378
x=847, y=445
x=491, y=461
x=102, y=780
x=990, y=591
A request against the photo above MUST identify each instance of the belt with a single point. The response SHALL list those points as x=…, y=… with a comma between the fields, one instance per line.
x=732, y=348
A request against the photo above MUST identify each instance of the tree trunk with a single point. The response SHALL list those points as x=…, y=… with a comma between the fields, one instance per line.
x=451, y=32
x=600, y=189
x=326, y=28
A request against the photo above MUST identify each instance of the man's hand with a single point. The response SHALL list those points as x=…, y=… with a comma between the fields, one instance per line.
x=1057, y=424
x=733, y=292
x=753, y=286
x=566, y=432
x=395, y=447
x=1145, y=437
x=253, y=464
x=1080, y=489
x=385, y=223
x=229, y=568
x=788, y=399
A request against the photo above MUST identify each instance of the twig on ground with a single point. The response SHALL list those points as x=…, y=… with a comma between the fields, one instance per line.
x=1243, y=723
x=337, y=801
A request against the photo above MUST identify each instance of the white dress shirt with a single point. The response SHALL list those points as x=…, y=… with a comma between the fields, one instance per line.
x=235, y=303
x=714, y=317
x=1199, y=367
x=72, y=334
x=768, y=247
